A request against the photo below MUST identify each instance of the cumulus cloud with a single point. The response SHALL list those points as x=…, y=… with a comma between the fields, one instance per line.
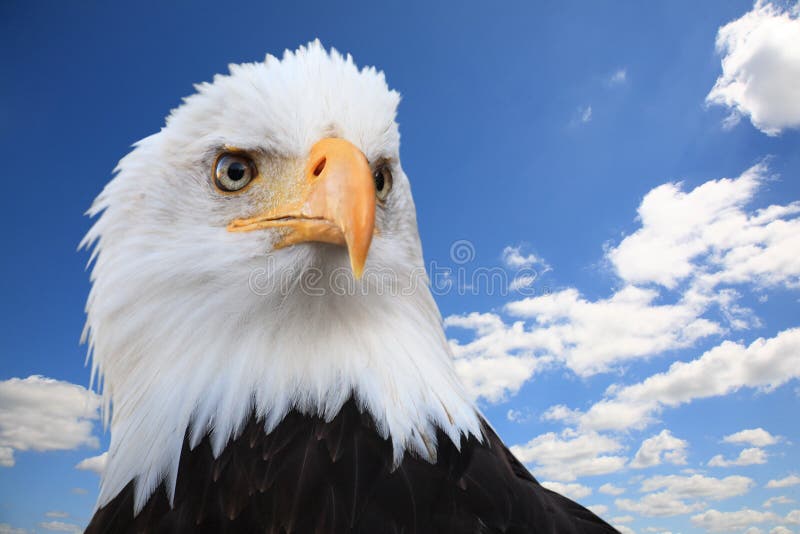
x=700, y=245
x=757, y=437
x=764, y=364
x=5, y=528
x=590, y=336
x=675, y=495
x=658, y=505
x=699, y=486
x=569, y=455
x=791, y=480
x=707, y=236
x=663, y=444
x=574, y=491
x=43, y=414
x=753, y=455
x=96, y=464
x=716, y=521
x=611, y=489
x=491, y=371
x=60, y=526
x=493, y=378
x=760, y=68
x=560, y=412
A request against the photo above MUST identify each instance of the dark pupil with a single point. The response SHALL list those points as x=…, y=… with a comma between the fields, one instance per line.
x=379, y=180
x=236, y=171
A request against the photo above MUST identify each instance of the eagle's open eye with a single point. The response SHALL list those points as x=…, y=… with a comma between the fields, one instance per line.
x=383, y=181
x=232, y=172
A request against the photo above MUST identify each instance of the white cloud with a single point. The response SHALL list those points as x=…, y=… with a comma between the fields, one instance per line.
x=764, y=364
x=611, y=489
x=622, y=519
x=757, y=437
x=791, y=480
x=716, y=521
x=573, y=490
x=624, y=529
x=6, y=457
x=694, y=243
x=676, y=495
x=699, y=486
x=56, y=514
x=5, y=528
x=650, y=453
x=95, y=463
x=43, y=414
x=780, y=530
x=568, y=456
x=591, y=336
x=491, y=367
x=514, y=258
x=658, y=505
x=793, y=517
x=60, y=526
x=708, y=235
x=780, y=499
x=761, y=68
x=560, y=412
x=495, y=378
x=753, y=455
x=586, y=114
x=522, y=281
x=618, y=77
x=514, y=415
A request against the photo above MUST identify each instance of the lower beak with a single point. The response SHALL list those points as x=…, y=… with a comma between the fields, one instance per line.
x=336, y=203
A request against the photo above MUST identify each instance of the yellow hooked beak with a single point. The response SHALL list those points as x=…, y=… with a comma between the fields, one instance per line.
x=335, y=203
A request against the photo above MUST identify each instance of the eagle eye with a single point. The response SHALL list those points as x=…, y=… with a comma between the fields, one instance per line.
x=232, y=172
x=383, y=181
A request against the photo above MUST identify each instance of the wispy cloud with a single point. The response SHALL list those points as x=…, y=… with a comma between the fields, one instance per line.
x=586, y=114
x=618, y=77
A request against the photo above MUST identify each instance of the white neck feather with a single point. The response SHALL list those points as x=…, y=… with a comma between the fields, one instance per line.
x=179, y=356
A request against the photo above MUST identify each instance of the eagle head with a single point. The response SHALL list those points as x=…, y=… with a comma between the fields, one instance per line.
x=260, y=254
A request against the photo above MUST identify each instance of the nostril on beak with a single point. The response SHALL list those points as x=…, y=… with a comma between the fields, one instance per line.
x=319, y=167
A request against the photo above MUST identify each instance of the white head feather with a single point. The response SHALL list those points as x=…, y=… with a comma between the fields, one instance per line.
x=192, y=327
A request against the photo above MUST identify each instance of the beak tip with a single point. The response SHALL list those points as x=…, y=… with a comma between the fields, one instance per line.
x=358, y=269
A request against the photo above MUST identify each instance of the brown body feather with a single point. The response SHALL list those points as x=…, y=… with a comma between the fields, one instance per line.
x=309, y=476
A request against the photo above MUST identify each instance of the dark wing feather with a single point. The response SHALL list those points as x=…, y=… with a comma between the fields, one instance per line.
x=313, y=476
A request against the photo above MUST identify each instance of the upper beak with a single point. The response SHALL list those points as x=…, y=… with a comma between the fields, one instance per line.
x=335, y=203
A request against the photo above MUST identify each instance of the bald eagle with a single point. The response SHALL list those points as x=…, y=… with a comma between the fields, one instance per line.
x=258, y=376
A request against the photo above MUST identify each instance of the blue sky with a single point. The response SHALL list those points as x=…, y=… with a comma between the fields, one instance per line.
x=534, y=132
